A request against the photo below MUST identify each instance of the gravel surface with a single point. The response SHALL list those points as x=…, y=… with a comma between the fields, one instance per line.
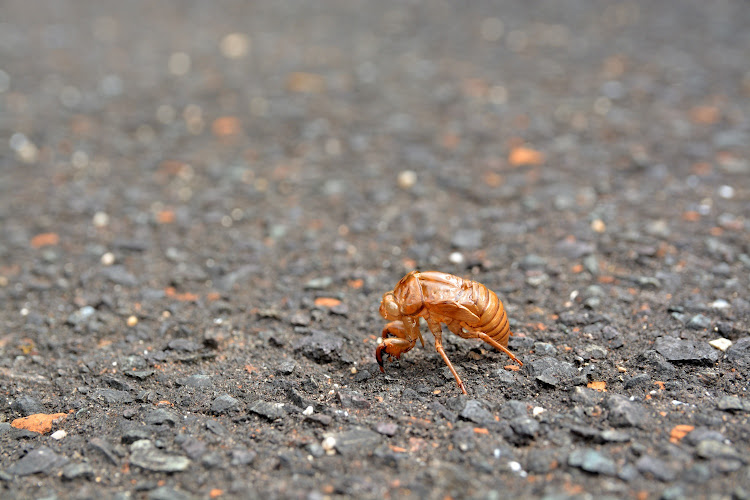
x=202, y=203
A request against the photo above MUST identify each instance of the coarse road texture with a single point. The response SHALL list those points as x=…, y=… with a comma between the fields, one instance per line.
x=202, y=203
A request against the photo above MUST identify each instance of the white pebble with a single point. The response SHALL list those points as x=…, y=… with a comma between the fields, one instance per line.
x=308, y=411
x=721, y=344
x=235, y=45
x=100, y=219
x=720, y=304
x=407, y=179
x=108, y=259
x=456, y=258
x=59, y=434
x=726, y=192
x=328, y=443
x=538, y=410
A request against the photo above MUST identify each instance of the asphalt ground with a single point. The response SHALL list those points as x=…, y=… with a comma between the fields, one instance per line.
x=202, y=203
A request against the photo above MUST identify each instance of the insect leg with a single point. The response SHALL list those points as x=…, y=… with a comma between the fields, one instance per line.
x=499, y=347
x=438, y=333
x=394, y=346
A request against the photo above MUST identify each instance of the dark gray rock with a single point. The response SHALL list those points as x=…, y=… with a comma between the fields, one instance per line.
x=82, y=470
x=113, y=396
x=656, y=468
x=629, y=473
x=592, y=461
x=698, y=473
x=216, y=428
x=300, y=319
x=108, y=451
x=133, y=434
x=224, y=404
x=701, y=434
x=574, y=249
x=144, y=454
x=242, y=456
x=356, y=441
x=386, y=428
x=656, y=364
x=321, y=346
x=733, y=403
x=525, y=427
x=615, y=436
x=476, y=412
x=119, y=276
x=592, y=351
x=267, y=409
x=287, y=367
x=739, y=354
x=686, y=351
x=26, y=405
x=544, y=349
x=541, y=461
x=586, y=396
x=194, y=448
x=640, y=381
x=139, y=374
x=41, y=459
x=464, y=439
x=162, y=416
x=551, y=371
x=625, y=413
x=353, y=399
x=709, y=448
x=699, y=322
x=81, y=316
x=183, y=345
x=167, y=493
x=319, y=418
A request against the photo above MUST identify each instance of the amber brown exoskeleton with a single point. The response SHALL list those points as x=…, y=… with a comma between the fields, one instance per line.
x=468, y=308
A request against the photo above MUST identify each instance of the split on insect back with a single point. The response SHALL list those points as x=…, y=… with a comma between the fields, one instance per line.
x=468, y=308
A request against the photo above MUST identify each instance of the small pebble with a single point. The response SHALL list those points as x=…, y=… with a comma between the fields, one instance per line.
x=598, y=226
x=456, y=258
x=721, y=344
x=59, y=434
x=108, y=259
x=235, y=45
x=720, y=304
x=132, y=321
x=308, y=411
x=407, y=179
x=329, y=444
x=726, y=192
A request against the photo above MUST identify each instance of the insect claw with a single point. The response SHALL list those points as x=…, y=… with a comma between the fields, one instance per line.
x=379, y=356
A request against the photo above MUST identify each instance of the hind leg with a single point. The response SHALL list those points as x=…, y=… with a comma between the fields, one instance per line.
x=455, y=328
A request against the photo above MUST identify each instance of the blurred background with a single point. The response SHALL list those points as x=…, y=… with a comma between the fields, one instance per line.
x=370, y=134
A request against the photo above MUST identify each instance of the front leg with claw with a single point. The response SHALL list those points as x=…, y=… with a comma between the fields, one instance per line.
x=403, y=342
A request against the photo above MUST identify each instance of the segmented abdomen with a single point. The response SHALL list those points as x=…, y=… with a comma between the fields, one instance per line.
x=492, y=318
